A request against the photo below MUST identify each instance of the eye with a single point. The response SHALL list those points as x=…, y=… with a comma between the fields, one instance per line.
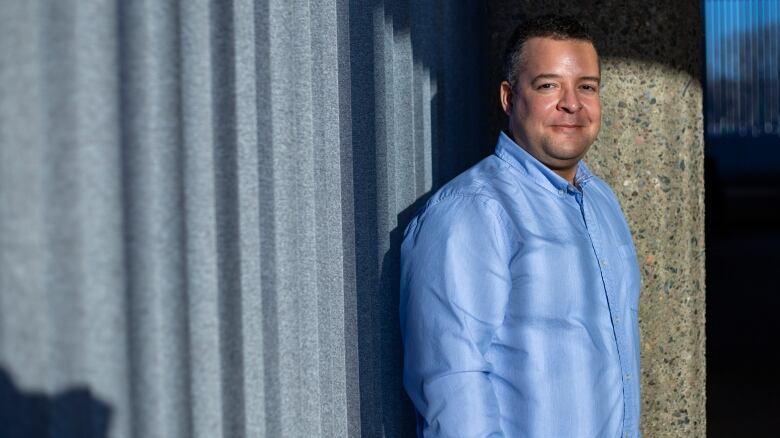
x=546, y=86
x=589, y=87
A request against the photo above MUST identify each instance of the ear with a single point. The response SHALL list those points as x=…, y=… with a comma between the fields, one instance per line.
x=505, y=96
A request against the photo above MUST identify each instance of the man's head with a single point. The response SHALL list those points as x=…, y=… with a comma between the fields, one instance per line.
x=550, y=91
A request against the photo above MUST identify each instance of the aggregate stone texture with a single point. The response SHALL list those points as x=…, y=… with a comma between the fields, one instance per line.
x=651, y=151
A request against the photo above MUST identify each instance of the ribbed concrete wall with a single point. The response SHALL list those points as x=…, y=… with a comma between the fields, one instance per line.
x=200, y=207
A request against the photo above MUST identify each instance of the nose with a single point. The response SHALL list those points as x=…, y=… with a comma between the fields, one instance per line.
x=569, y=101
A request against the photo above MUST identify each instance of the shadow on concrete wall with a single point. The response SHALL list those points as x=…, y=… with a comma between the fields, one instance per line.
x=446, y=40
x=75, y=413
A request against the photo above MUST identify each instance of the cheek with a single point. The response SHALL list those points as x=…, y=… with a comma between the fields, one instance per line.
x=537, y=110
x=594, y=110
x=596, y=118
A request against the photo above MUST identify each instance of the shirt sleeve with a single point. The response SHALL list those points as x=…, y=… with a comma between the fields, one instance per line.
x=455, y=284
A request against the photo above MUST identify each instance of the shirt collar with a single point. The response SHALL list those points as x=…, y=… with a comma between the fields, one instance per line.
x=517, y=157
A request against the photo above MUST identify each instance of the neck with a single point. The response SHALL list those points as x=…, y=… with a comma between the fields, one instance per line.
x=567, y=174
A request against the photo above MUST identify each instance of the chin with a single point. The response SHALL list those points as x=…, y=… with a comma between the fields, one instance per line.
x=567, y=153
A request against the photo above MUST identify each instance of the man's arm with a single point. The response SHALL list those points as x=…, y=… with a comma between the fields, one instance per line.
x=455, y=283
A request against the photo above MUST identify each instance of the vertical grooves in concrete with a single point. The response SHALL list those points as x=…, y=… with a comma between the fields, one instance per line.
x=202, y=206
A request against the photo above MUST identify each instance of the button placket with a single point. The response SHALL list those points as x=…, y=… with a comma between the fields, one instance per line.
x=620, y=341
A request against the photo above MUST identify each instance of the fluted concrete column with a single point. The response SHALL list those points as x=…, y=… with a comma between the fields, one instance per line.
x=201, y=205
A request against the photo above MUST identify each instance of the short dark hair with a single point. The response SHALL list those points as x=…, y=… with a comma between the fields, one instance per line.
x=558, y=27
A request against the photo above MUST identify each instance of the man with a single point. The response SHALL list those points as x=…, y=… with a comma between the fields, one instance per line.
x=519, y=281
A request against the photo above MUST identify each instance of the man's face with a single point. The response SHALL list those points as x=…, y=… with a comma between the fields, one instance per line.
x=554, y=109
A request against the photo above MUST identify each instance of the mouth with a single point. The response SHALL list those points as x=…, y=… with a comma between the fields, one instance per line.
x=566, y=127
x=568, y=124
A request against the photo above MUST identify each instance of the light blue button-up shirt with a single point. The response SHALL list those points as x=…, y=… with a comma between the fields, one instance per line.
x=519, y=300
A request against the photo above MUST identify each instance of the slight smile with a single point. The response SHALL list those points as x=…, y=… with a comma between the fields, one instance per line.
x=566, y=127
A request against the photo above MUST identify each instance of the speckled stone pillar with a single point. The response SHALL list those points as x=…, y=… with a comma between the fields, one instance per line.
x=650, y=151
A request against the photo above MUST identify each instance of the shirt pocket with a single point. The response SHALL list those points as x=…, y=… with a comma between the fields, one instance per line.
x=630, y=284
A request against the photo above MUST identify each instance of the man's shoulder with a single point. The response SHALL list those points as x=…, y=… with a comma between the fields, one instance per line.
x=597, y=183
x=482, y=181
x=602, y=194
x=476, y=191
x=480, y=184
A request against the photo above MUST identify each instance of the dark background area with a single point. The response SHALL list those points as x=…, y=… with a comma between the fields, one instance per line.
x=742, y=190
x=742, y=186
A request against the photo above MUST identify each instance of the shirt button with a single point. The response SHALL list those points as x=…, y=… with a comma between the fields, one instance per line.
x=628, y=376
x=561, y=192
x=617, y=320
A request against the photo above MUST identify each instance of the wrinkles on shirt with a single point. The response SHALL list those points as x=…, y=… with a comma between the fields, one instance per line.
x=508, y=297
x=449, y=417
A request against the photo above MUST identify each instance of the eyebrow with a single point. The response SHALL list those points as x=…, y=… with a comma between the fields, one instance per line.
x=554, y=76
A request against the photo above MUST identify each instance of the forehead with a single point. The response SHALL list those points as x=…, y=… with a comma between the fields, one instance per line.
x=542, y=55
